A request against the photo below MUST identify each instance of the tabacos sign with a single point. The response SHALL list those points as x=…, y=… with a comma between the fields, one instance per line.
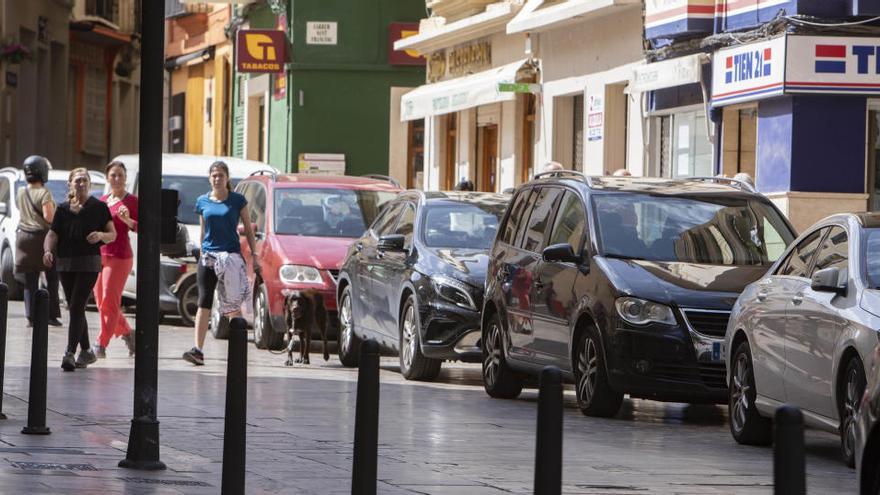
x=261, y=51
x=832, y=64
x=748, y=72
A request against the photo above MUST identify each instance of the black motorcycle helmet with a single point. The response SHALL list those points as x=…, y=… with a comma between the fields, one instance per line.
x=36, y=168
x=464, y=185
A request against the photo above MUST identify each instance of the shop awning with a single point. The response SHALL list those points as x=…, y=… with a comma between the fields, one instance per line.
x=542, y=15
x=668, y=73
x=465, y=92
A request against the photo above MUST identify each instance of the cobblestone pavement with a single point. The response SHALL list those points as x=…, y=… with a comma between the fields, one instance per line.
x=447, y=437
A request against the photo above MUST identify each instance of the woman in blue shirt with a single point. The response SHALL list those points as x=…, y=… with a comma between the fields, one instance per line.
x=221, y=265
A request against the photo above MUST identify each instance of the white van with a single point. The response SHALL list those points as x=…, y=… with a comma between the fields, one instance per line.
x=188, y=175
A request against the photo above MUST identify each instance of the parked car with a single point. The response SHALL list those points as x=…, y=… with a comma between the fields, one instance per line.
x=802, y=334
x=11, y=180
x=414, y=281
x=624, y=283
x=188, y=175
x=304, y=225
x=868, y=431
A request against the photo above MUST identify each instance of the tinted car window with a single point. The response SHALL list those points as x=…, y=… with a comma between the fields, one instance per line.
x=406, y=224
x=387, y=219
x=570, y=222
x=798, y=262
x=834, y=252
x=872, y=257
x=714, y=230
x=541, y=216
x=510, y=228
x=326, y=212
x=462, y=225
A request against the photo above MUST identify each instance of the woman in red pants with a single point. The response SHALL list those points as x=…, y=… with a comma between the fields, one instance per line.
x=116, y=262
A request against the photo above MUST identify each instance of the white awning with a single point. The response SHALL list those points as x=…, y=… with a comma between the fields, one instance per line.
x=465, y=92
x=536, y=17
x=668, y=73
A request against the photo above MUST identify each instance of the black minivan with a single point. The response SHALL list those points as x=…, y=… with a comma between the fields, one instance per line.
x=624, y=283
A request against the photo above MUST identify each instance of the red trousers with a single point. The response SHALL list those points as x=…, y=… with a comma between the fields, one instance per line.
x=108, y=296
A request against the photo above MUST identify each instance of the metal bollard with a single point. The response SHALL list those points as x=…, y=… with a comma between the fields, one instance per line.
x=548, y=441
x=234, y=433
x=36, y=422
x=789, y=472
x=366, y=422
x=4, y=307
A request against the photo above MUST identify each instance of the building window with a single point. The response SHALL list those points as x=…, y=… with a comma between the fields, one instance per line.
x=684, y=148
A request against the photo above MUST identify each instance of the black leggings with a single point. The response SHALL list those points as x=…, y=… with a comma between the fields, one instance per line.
x=77, y=289
x=206, y=278
x=31, y=284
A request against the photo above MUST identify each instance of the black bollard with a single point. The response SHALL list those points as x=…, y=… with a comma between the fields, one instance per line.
x=36, y=424
x=548, y=441
x=4, y=307
x=789, y=473
x=234, y=433
x=366, y=422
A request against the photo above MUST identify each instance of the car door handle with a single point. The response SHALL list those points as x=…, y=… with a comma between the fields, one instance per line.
x=797, y=299
x=761, y=297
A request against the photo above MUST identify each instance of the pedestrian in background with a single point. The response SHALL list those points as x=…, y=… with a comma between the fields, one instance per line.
x=81, y=225
x=221, y=265
x=464, y=184
x=36, y=210
x=116, y=262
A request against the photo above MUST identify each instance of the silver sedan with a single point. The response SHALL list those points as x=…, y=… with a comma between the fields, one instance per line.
x=802, y=334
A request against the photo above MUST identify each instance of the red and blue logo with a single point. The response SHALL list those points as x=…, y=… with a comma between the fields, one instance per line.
x=831, y=59
x=748, y=65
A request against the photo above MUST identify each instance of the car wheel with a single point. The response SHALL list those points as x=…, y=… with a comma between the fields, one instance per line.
x=265, y=336
x=594, y=395
x=848, y=405
x=349, y=345
x=8, y=275
x=188, y=301
x=499, y=380
x=747, y=425
x=413, y=364
x=219, y=324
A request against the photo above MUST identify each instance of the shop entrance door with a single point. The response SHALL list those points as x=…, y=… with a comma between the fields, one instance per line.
x=874, y=160
x=486, y=169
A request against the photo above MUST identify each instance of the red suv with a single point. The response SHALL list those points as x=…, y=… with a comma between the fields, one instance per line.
x=304, y=225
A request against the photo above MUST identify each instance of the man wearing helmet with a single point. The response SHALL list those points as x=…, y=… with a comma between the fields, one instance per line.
x=37, y=209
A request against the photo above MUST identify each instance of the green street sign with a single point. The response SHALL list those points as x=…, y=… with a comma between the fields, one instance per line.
x=519, y=88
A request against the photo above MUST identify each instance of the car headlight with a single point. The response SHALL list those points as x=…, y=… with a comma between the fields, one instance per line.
x=300, y=274
x=454, y=291
x=641, y=312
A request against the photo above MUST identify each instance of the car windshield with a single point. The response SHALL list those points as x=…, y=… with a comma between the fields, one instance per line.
x=872, y=257
x=58, y=189
x=715, y=230
x=189, y=188
x=462, y=225
x=327, y=212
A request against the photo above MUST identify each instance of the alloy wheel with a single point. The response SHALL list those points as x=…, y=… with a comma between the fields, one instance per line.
x=854, y=391
x=345, y=324
x=492, y=357
x=739, y=393
x=408, y=341
x=588, y=369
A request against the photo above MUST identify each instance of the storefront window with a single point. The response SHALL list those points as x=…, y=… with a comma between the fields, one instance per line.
x=690, y=146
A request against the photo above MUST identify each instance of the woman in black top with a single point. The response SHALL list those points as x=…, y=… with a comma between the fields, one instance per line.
x=80, y=226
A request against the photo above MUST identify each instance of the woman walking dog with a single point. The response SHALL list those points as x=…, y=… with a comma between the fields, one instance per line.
x=221, y=265
x=116, y=261
x=81, y=224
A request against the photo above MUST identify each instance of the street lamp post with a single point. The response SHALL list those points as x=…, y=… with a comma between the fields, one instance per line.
x=143, y=440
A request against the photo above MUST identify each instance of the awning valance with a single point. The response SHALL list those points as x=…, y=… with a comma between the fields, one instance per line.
x=668, y=73
x=465, y=92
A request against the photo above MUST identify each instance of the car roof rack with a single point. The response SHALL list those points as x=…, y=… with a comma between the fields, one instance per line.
x=574, y=174
x=271, y=173
x=725, y=180
x=394, y=182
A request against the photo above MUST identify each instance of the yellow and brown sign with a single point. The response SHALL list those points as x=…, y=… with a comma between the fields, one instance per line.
x=261, y=50
x=460, y=60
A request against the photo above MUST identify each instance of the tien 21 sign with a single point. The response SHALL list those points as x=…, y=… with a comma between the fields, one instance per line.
x=261, y=51
x=796, y=64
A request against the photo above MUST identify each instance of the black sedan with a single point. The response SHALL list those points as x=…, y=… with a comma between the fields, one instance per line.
x=414, y=280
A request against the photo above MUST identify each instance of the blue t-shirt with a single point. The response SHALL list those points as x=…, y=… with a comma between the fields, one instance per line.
x=221, y=222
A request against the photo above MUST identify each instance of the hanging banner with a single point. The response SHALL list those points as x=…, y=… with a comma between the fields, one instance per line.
x=261, y=51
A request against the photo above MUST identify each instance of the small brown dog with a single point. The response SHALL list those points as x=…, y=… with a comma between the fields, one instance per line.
x=304, y=312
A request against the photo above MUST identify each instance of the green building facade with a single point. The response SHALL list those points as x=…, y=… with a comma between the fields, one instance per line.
x=336, y=98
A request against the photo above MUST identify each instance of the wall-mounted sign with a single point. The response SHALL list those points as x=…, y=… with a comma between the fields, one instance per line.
x=667, y=74
x=748, y=72
x=322, y=163
x=261, y=50
x=532, y=88
x=595, y=117
x=399, y=31
x=460, y=60
x=321, y=33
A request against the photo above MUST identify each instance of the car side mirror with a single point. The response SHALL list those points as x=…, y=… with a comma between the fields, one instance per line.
x=391, y=242
x=828, y=280
x=560, y=253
